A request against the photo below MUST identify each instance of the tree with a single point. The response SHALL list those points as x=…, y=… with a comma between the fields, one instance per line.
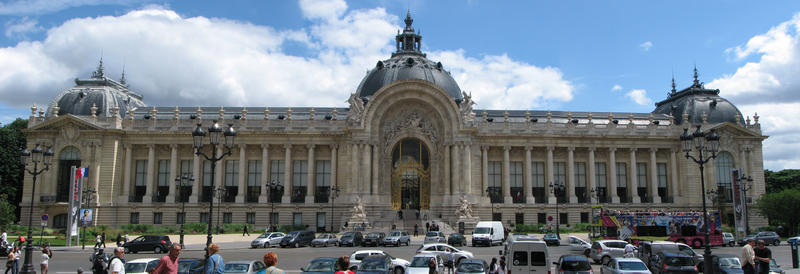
x=12, y=141
x=7, y=215
x=780, y=180
x=781, y=207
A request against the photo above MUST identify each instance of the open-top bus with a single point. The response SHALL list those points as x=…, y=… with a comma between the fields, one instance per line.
x=681, y=227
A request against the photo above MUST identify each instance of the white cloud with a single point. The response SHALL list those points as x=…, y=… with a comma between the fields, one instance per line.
x=640, y=97
x=616, y=88
x=646, y=45
x=18, y=29
x=324, y=9
x=29, y=7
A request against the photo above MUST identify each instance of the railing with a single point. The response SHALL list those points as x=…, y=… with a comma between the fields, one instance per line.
x=47, y=198
x=299, y=195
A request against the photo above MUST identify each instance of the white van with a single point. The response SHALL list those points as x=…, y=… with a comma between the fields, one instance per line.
x=488, y=233
x=527, y=256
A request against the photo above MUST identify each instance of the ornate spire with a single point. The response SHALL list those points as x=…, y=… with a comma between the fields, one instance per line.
x=99, y=72
x=408, y=42
x=123, y=81
x=673, y=85
x=409, y=21
x=696, y=81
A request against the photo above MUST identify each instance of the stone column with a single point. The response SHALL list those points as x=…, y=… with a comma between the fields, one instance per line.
x=529, y=199
x=312, y=183
x=218, y=175
x=467, y=168
x=485, y=170
x=634, y=179
x=743, y=161
x=612, y=175
x=506, y=175
x=334, y=164
x=197, y=170
x=592, y=176
x=242, y=182
x=173, y=171
x=354, y=177
x=551, y=197
x=673, y=178
x=571, y=176
x=654, y=176
x=263, y=196
x=287, y=174
x=447, y=171
x=454, y=176
x=126, y=179
x=151, y=159
x=374, y=174
x=367, y=168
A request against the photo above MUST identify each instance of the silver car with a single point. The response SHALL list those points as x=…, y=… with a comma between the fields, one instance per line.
x=267, y=239
x=247, y=267
x=434, y=237
x=325, y=239
x=397, y=238
x=419, y=264
x=604, y=250
x=452, y=255
x=624, y=265
x=578, y=245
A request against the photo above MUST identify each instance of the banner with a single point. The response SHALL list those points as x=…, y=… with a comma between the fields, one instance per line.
x=738, y=205
x=75, y=198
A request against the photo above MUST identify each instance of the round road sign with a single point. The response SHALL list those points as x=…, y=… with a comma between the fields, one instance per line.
x=550, y=218
x=44, y=217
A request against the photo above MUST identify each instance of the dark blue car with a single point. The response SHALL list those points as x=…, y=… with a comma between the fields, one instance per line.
x=322, y=265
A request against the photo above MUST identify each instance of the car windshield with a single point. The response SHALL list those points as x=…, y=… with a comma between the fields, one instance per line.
x=730, y=262
x=320, y=265
x=481, y=230
x=348, y=234
x=324, y=236
x=394, y=234
x=635, y=266
x=420, y=261
x=550, y=235
x=679, y=261
x=236, y=268
x=470, y=268
x=431, y=234
x=773, y=264
x=265, y=235
x=135, y=267
x=373, y=234
x=576, y=266
x=372, y=265
x=292, y=234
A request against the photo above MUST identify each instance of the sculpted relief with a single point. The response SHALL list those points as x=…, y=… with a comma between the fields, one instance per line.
x=410, y=120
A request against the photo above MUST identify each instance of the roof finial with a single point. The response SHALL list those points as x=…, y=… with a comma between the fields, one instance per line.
x=696, y=81
x=673, y=84
x=99, y=73
x=122, y=79
x=408, y=20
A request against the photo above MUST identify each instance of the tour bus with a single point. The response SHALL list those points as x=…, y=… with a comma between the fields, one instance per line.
x=681, y=227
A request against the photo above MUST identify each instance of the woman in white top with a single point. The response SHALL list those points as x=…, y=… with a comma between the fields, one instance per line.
x=45, y=258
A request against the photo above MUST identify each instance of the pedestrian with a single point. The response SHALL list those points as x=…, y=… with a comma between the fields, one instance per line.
x=103, y=239
x=762, y=257
x=502, y=265
x=118, y=240
x=117, y=263
x=416, y=230
x=169, y=263
x=343, y=265
x=427, y=226
x=125, y=238
x=215, y=263
x=629, y=249
x=432, y=266
x=747, y=258
x=46, y=254
x=271, y=260
x=97, y=240
x=245, y=231
x=99, y=265
x=493, y=268
x=10, y=264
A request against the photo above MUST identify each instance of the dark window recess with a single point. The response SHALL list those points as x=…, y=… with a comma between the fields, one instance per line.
x=623, y=194
x=656, y=231
x=275, y=196
x=517, y=195
x=497, y=217
x=496, y=194
x=299, y=194
x=207, y=194
x=541, y=218
x=581, y=193
x=519, y=218
x=251, y=218
x=60, y=221
x=538, y=194
x=204, y=217
x=584, y=217
x=134, y=218
x=158, y=218
x=321, y=195
x=180, y=218
x=138, y=194
x=563, y=218
x=227, y=217
x=642, y=192
x=161, y=194
x=64, y=170
x=185, y=193
x=230, y=194
x=252, y=194
x=602, y=195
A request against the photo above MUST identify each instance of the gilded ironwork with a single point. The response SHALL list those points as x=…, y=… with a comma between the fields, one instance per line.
x=406, y=172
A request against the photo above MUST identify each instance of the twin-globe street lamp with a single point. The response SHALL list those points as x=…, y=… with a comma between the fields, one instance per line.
x=274, y=187
x=702, y=143
x=214, y=137
x=560, y=186
x=34, y=156
x=180, y=179
x=334, y=193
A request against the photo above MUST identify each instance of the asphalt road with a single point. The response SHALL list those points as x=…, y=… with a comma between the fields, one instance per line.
x=67, y=260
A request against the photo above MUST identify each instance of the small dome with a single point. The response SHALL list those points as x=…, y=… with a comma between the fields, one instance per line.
x=695, y=101
x=98, y=91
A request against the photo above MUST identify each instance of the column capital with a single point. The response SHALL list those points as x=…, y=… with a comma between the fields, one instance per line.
x=484, y=148
x=570, y=149
x=310, y=146
x=287, y=146
x=653, y=149
x=591, y=148
x=151, y=146
x=551, y=148
x=127, y=145
x=333, y=146
x=506, y=148
x=612, y=149
x=633, y=149
x=173, y=146
x=528, y=148
x=265, y=146
x=242, y=146
x=675, y=149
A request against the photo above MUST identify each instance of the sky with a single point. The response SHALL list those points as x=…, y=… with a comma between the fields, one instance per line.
x=587, y=55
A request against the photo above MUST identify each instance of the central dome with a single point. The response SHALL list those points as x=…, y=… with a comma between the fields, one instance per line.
x=408, y=62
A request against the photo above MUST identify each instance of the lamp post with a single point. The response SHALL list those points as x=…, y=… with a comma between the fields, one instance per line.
x=560, y=187
x=180, y=179
x=334, y=192
x=214, y=137
x=221, y=192
x=745, y=185
x=273, y=187
x=702, y=143
x=34, y=156
x=489, y=192
x=88, y=196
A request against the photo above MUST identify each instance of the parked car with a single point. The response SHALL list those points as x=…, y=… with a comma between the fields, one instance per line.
x=155, y=243
x=604, y=250
x=793, y=240
x=247, y=267
x=673, y=262
x=769, y=237
x=624, y=266
x=775, y=268
x=397, y=238
x=726, y=263
x=456, y=239
x=488, y=233
x=297, y=238
x=141, y=266
x=322, y=265
x=267, y=239
x=452, y=255
x=434, y=237
x=190, y=266
x=472, y=266
x=357, y=256
x=419, y=264
x=373, y=239
x=571, y=264
x=325, y=239
x=351, y=239
x=727, y=239
x=552, y=239
x=378, y=264
x=578, y=245
x=647, y=250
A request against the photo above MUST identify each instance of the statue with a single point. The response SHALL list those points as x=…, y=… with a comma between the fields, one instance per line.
x=358, y=209
x=356, y=108
x=465, y=108
x=464, y=210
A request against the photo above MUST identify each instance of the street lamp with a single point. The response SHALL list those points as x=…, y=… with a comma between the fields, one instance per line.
x=702, y=143
x=26, y=157
x=560, y=187
x=214, y=135
x=273, y=187
x=180, y=179
x=745, y=185
x=221, y=193
x=489, y=192
x=88, y=196
x=334, y=192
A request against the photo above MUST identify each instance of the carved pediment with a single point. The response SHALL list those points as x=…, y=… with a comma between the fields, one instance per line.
x=66, y=121
x=734, y=130
x=413, y=121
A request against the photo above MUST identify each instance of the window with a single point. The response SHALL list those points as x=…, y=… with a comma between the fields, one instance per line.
x=622, y=182
x=276, y=168
x=662, y=182
x=724, y=163
x=498, y=217
x=563, y=218
x=163, y=181
x=134, y=218
x=520, y=258
x=517, y=192
x=253, y=181
x=580, y=182
x=299, y=181
x=600, y=178
x=323, y=180
x=519, y=218
x=274, y=217
x=297, y=218
x=208, y=187
x=541, y=218
x=204, y=217
x=560, y=175
x=641, y=181
x=495, y=181
x=251, y=218
x=538, y=258
x=231, y=180
x=321, y=221
x=186, y=191
x=60, y=221
x=227, y=217
x=157, y=218
x=537, y=182
x=140, y=180
x=181, y=218
x=584, y=217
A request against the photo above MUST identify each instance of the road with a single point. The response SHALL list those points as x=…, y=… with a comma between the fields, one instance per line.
x=67, y=260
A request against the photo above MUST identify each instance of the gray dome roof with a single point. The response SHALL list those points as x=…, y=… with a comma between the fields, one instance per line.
x=408, y=62
x=697, y=101
x=98, y=91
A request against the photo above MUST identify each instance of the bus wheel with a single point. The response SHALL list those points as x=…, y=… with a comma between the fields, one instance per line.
x=697, y=243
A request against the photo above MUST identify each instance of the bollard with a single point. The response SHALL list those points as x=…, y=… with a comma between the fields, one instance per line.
x=794, y=254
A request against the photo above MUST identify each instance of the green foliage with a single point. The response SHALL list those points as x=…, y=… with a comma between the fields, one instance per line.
x=195, y=228
x=7, y=216
x=780, y=180
x=12, y=141
x=778, y=208
x=290, y=228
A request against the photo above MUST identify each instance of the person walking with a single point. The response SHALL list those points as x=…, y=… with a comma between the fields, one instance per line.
x=271, y=260
x=215, y=263
x=46, y=255
x=747, y=258
x=103, y=239
x=97, y=241
x=125, y=238
x=416, y=230
x=117, y=263
x=10, y=263
x=343, y=265
x=493, y=268
x=427, y=227
x=629, y=249
x=502, y=265
x=762, y=257
x=245, y=231
x=169, y=263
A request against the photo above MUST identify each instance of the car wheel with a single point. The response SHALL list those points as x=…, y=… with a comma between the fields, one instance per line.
x=586, y=252
x=296, y=245
x=730, y=244
x=157, y=250
x=398, y=270
x=777, y=242
x=326, y=244
x=605, y=260
x=266, y=245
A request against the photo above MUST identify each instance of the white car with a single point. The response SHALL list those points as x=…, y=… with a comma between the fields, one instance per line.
x=267, y=239
x=624, y=265
x=140, y=266
x=419, y=264
x=451, y=254
x=357, y=256
x=579, y=245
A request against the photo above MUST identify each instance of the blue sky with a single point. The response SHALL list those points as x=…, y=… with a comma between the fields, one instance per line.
x=561, y=55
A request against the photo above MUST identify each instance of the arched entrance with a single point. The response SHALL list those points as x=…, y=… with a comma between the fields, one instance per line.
x=411, y=178
x=70, y=156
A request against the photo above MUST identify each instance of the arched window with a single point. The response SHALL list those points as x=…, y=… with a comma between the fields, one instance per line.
x=68, y=157
x=70, y=153
x=724, y=163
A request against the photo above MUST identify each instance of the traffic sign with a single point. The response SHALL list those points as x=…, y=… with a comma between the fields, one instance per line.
x=44, y=217
x=550, y=218
x=44, y=223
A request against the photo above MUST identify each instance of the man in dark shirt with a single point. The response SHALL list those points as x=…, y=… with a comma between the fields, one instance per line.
x=763, y=256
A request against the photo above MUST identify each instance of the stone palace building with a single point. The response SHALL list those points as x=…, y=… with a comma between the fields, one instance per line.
x=410, y=140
